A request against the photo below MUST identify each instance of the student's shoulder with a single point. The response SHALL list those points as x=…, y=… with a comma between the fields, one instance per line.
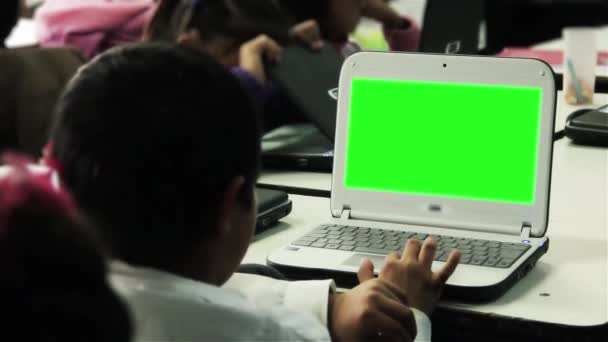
x=171, y=308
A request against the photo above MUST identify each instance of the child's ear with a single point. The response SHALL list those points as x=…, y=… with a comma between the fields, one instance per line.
x=191, y=38
x=229, y=205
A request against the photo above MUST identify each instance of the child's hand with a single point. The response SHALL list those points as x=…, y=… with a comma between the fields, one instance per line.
x=412, y=273
x=374, y=309
x=384, y=13
x=253, y=52
x=309, y=33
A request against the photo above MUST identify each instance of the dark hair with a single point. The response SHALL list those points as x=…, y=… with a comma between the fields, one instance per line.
x=9, y=15
x=54, y=277
x=238, y=19
x=149, y=136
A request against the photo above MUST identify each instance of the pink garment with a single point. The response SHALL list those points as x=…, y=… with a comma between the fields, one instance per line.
x=92, y=26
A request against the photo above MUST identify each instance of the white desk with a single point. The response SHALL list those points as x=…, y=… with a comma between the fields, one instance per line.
x=288, y=180
x=574, y=273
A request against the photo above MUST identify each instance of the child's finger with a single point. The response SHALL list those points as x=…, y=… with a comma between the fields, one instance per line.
x=412, y=250
x=366, y=270
x=427, y=254
x=441, y=277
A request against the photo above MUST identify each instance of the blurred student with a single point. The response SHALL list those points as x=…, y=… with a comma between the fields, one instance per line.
x=54, y=285
x=92, y=26
x=168, y=174
x=245, y=36
x=339, y=18
x=31, y=79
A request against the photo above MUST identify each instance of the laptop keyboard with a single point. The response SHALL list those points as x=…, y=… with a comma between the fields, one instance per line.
x=383, y=241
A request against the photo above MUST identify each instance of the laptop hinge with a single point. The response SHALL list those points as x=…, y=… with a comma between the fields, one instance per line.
x=345, y=214
x=526, y=229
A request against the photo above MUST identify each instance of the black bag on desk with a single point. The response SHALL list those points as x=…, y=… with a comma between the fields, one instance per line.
x=588, y=126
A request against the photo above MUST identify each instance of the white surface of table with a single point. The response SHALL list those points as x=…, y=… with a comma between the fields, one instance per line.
x=574, y=272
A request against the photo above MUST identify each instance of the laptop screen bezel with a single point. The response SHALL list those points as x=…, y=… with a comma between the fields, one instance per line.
x=506, y=218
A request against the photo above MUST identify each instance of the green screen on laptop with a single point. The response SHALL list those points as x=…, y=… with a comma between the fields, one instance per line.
x=465, y=141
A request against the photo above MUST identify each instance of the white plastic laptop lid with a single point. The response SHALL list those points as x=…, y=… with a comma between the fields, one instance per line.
x=450, y=141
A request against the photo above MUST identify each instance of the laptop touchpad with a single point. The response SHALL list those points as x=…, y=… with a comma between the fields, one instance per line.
x=355, y=260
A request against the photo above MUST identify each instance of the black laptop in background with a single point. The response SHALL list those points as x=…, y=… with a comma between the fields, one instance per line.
x=273, y=205
x=308, y=79
x=454, y=27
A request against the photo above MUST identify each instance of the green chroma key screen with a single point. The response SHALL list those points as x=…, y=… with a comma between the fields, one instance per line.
x=467, y=141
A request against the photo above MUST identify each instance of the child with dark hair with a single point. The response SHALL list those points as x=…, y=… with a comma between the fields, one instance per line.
x=168, y=175
x=339, y=18
x=243, y=35
x=10, y=11
x=54, y=285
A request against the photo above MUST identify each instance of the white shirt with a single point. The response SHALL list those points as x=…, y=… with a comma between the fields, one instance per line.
x=167, y=307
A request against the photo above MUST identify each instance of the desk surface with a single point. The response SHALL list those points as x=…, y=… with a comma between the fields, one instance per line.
x=288, y=180
x=569, y=284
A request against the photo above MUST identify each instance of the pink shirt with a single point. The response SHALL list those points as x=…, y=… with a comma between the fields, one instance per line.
x=92, y=26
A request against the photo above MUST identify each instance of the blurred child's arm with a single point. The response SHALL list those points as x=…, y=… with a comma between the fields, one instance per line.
x=309, y=33
x=253, y=53
x=401, y=33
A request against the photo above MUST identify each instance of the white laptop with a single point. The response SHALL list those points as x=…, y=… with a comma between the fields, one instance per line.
x=458, y=148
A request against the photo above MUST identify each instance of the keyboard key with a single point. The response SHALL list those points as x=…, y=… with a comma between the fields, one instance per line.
x=438, y=255
x=302, y=243
x=491, y=262
x=478, y=243
x=480, y=253
x=322, y=240
x=349, y=243
x=435, y=237
x=449, y=245
x=518, y=247
x=332, y=246
x=465, y=261
x=308, y=238
x=363, y=244
x=493, y=244
x=420, y=236
x=347, y=238
x=376, y=241
x=318, y=245
x=406, y=235
x=378, y=246
x=336, y=241
x=477, y=260
x=510, y=254
x=364, y=235
x=394, y=248
x=313, y=235
x=346, y=248
x=362, y=239
x=477, y=248
x=504, y=263
x=448, y=239
x=392, y=238
x=493, y=250
x=375, y=231
x=463, y=242
x=443, y=257
x=371, y=250
x=334, y=228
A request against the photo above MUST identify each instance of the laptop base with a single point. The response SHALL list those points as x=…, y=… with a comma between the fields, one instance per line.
x=450, y=292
